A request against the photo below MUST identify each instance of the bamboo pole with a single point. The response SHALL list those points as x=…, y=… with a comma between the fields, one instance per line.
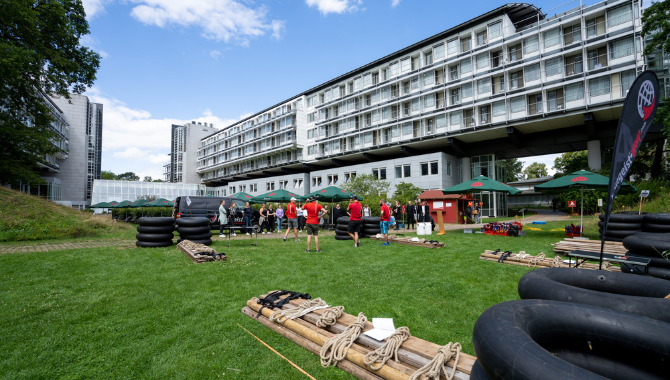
x=310, y=346
x=355, y=357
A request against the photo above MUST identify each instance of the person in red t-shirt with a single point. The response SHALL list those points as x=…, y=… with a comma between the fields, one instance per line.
x=313, y=210
x=354, y=226
x=385, y=220
x=292, y=216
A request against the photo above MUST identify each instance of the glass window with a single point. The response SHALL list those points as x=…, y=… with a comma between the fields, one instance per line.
x=416, y=105
x=415, y=83
x=433, y=168
x=394, y=68
x=483, y=86
x=455, y=118
x=441, y=121
x=531, y=44
x=498, y=108
x=482, y=61
x=599, y=86
x=621, y=48
x=517, y=104
x=495, y=30
x=424, y=168
x=452, y=46
x=367, y=80
x=438, y=51
x=407, y=129
x=429, y=100
x=619, y=15
x=627, y=78
x=406, y=171
x=466, y=66
x=405, y=65
x=429, y=78
x=398, y=171
x=551, y=38
x=553, y=66
x=467, y=90
x=532, y=72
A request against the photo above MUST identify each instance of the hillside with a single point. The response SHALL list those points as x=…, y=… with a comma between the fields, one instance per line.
x=26, y=217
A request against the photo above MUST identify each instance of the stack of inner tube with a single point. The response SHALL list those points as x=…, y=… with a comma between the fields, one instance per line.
x=659, y=223
x=154, y=232
x=196, y=230
x=621, y=225
x=652, y=246
x=576, y=324
x=370, y=226
x=341, y=228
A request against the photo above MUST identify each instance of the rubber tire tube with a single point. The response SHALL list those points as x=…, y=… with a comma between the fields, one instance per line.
x=154, y=237
x=610, y=238
x=342, y=227
x=193, y=222
x=371, y=220
x=508, y=331
x=155, y=230
x=657, y=218
x=193, y=230
x=477, y=372
x=623, y=218
x=647, y=244
x=661, y=273
x=619, y=233
x=205, y=241
x=341, y=233
x=372, y=225
x=153, y=244
x=155, y=221
x=621, y=226
x=343, y=220
x=372, y=231
x=657, y=228
x=656, y=261
x=338, y=237
x=196, y=237
x=611, y=290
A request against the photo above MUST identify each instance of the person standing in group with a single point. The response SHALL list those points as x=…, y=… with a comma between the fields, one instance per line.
x=326, y=222
x=354, y=227
x=425, y=212
x=397, y=209
x=248, y=217
x=468, y=212
x=410, y=215
x=292, y=216
x=263, y=219
x=298, y=211
x=417, y=211
x=385, y=214
x=314, y=212
x=366, y=210
x=279, y=214
x=232, y=214
x=476, y=211
x=271, y=219
x=223, y=218
x=337, y=213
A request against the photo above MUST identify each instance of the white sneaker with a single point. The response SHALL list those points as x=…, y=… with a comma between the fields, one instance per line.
x=247, y=234
x=263, y=233
x=297, y=239
x=222, y=235
x=269, y=233
x=233, y=234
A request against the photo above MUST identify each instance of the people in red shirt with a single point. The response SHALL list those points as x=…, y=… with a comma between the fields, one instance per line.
x=354, y=226
x=313, y=209
x=385, y=221
x=291, y=215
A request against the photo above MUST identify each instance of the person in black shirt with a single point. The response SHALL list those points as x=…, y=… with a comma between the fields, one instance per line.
x=410, y=215
x=248, y=216
x=337, y=213
x=396, y=214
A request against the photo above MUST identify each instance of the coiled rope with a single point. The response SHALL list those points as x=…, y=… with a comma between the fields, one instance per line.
x=308, y=306
x=557, y=262
x=335, y=349
x=437, y=366
x=388, y=350
x=196, y=248
x=330, y=316
x=532, y=261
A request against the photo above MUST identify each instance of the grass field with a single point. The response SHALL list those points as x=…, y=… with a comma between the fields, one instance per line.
x=113, y=313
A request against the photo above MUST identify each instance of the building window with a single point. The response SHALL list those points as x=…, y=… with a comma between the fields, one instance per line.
x=619, y=15
x=438, y=51
x=316, y=181
x=574, y=91
x=333, y=179
x=483, y=86
x=297, y=184
x=532, y=72
x=452, y=46
x=254, y=188
x=429, y=168
x=495, y=30
x=552, y=38
x=599, y=86
x=349, y=176
x=379, y=173
x=269, y=186
x=621, y=48
x=405, y=65
x=531, y=44
x=553, y=66
x=283, y=185
x=482, y=61
x=449, y=168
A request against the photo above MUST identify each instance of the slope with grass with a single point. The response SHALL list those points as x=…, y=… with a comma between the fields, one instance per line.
x=111, y=313
x=26, y=217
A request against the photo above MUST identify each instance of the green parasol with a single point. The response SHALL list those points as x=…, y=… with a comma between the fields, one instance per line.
x=478, y=184
x=581, y=180
x=332, y=194
x=160, y=202
x=121, y=204
x=242, y=195
x=280, y=195
x=101, y=205
x=139, y=203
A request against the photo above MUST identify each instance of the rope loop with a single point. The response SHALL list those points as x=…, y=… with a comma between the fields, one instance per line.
x=388, y=350
x=532, y=261
x=280, y=316
x=438, y=365
x=330, y=316
x=335, y=349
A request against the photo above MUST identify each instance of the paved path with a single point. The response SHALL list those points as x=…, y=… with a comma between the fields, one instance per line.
x=48, y=247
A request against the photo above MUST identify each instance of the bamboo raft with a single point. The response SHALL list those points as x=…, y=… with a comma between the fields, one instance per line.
x=198, y=257
x=572, y=244
x=399, y=240
x=544, y=263
x=412, y=355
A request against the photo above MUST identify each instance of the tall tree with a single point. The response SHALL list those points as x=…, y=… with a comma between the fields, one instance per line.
x=535, y=170
x=656, y=24
x=513, y=170
x=406, y=192
x=128, y=176
x=147, y=178
x=40, y=55
x=571, y=162
x=106, y=174
x=367, y=185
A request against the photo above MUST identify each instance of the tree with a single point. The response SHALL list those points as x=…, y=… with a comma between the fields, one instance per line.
x=367, y=185
x=157, y=180
x=106, y=174
x=406, y=192
x=571, y=162
x=127, y=176
x=513, y=170
x=535, y=170
x=41, y=56
x=656, y=24
x=147, y=178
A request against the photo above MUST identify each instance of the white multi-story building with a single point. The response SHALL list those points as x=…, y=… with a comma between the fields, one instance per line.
x=509, y=83
x=184, y=148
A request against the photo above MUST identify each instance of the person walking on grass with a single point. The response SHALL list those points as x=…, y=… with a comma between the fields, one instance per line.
x=223, y=218
x=279, y=214
x=354, y=227
x=385, y=222
x=248, y=216
x=292, y=216
x=314, y=212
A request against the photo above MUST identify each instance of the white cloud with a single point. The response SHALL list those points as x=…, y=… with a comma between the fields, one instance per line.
x=94, y=7
x=216, y=54
x=335, y=6
x=394, y=3
x=91, y=42
x=134, y=141
x=220, y=20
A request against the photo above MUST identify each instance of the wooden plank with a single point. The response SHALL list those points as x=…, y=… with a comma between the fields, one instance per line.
x=414, y=243
x=310, y=346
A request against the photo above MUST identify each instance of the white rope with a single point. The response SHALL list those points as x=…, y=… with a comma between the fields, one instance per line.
x=437, y=366
x=335, y=349
x=306, y=307
x=388, y=350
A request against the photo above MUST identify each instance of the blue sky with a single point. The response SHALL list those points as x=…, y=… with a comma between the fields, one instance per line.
x=216, y=61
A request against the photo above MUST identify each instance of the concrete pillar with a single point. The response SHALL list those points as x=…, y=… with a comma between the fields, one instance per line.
x=466, y=169
x=595, y=156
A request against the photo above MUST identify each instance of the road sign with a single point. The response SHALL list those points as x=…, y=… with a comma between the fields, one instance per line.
x=600, y=203
x=572, y=203
x=403, y=209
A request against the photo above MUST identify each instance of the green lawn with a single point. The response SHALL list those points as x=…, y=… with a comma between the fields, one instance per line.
x=151, y=313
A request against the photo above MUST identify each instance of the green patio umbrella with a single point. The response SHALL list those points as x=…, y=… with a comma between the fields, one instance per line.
x=331, y=194
x=139, y=203
x=581, y=180
x=481, y=183
x=121, y=204
x=101, y=205
x=280, y=195
x=160, y=202
x=244, y=196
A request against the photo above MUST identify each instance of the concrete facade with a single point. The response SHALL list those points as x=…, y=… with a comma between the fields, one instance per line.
x=185, y=142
